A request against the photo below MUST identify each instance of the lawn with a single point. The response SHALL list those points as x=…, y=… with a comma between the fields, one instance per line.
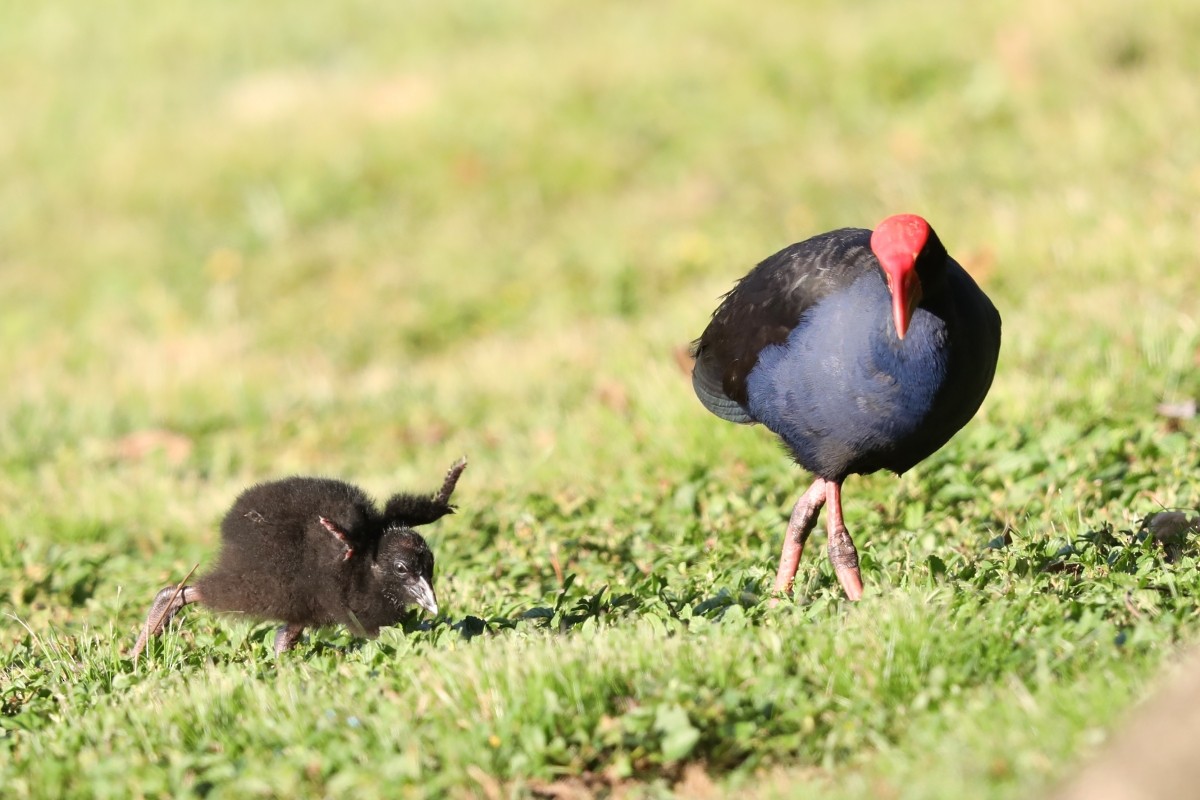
x=242, y=241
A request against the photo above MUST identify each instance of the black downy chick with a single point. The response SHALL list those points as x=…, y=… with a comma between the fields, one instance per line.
x=316, y=551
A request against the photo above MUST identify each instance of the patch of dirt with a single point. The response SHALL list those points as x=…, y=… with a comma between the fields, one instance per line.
x=269, y=97
x=137, y=446
x=1154, y=756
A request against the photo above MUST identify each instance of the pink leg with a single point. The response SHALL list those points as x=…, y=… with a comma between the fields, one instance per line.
x=166, y=604
x=804, y=519
x=842, y=554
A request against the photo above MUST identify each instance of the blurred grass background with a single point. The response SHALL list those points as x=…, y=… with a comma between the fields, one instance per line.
x=239, y=241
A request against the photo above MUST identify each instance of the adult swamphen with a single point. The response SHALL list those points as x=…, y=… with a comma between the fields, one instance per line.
x=862, y=351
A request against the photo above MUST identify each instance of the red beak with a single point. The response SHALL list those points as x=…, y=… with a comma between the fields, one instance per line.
x=898, y=242
x=906, y=296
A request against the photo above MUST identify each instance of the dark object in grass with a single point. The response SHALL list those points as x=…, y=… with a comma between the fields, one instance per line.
x=1172, y=530
x=316, y=551
x=862, y=351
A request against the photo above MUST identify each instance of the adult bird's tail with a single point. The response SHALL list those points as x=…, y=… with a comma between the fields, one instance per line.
x=706, y=382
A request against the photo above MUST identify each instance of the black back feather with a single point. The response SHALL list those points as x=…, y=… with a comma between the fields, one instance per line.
x=764, y=307
x=278, y=561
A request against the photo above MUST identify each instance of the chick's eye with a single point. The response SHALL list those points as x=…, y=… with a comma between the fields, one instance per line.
x=401, y=567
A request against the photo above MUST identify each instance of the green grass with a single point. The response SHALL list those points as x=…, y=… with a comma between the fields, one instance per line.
x=241, y=241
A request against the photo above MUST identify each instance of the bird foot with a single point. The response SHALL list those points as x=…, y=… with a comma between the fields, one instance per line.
x=286, y=637
x=803, y=520
x=166, y=605
x=844, y=558
x=842, y=554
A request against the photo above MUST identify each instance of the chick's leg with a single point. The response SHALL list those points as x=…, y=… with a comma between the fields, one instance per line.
x=287, y=636
x=166, y=604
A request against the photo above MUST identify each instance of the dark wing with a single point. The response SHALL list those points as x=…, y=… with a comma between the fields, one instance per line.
x=412, y=509
x=281, y=514
x=764, y=307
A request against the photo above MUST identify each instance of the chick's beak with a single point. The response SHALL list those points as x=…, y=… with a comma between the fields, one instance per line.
x=422, y=595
